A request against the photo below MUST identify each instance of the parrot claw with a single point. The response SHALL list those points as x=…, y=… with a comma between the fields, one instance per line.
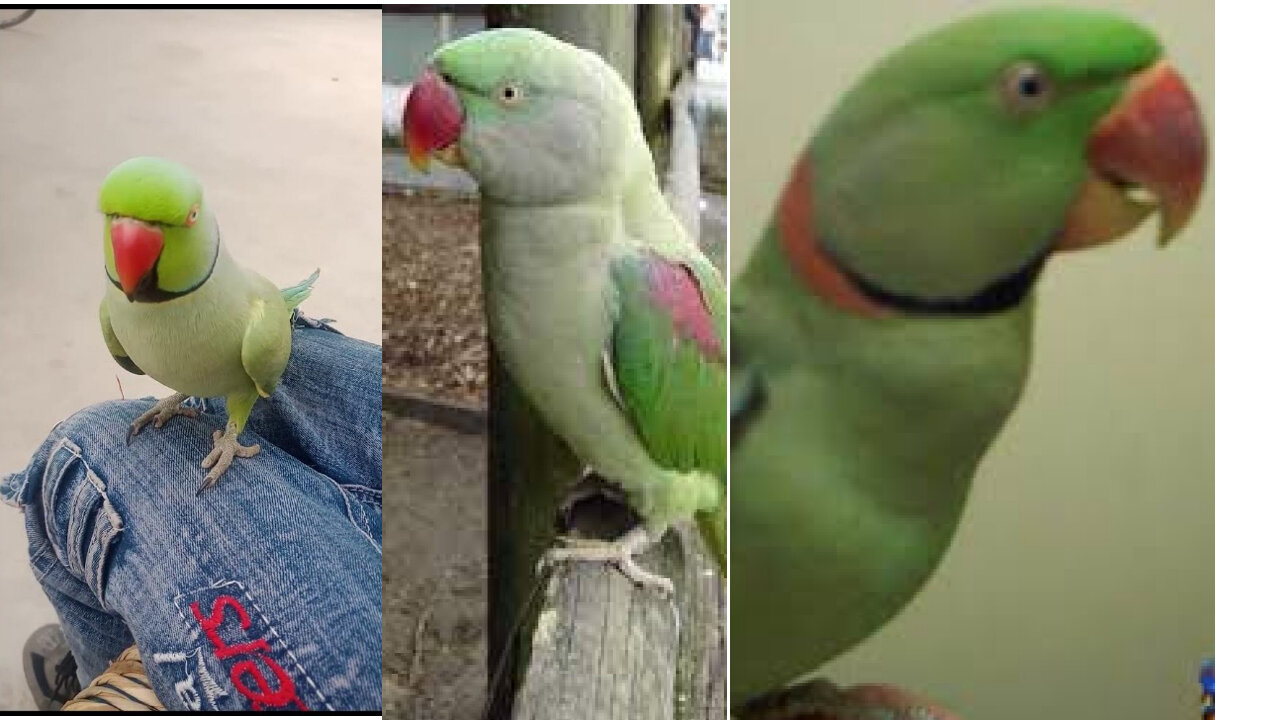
x=620, y=553
x=225, y=449
x=161, y=413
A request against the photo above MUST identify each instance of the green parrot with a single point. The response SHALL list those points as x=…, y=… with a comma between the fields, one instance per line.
x=179, y=309
x=602, y=309
x=881, y=330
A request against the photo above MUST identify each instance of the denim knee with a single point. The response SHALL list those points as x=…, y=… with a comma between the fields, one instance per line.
x=70, y=520
x=85, y=429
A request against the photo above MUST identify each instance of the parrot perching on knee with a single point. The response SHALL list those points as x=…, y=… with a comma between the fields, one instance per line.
x=605, y=313
x=179, y=309
x=882, y=327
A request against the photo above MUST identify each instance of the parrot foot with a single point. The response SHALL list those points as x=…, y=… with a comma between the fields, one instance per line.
x=620, y=553
x=225, y=449
x=160, y=414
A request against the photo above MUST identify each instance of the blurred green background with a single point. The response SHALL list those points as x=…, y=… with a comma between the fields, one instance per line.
x=1081, y=579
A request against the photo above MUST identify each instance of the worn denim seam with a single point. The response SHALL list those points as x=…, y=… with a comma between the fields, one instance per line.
x=355, y=514
x=362, y=490
x=18, y=498
x=109, y=533
x=366, y=531
x=361, y=523
x=102, y=539
x=117, y=523
x=40, y=575
x=49, y=488
x=75, y=529
x=271, y=628
x=365, y=524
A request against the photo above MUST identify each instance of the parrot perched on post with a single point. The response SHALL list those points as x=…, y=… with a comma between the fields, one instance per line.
x=881, y=330
x=179, y=309
x=605, y=313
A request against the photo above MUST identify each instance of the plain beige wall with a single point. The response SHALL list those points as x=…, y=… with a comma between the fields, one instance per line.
x=1081, y=580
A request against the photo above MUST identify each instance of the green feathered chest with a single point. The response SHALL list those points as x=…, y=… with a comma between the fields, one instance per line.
x=852, y=474
x=193, y=343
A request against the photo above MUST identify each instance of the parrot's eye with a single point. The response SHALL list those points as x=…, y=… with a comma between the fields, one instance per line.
x=510, y=94
x=193, y=215
x=1026, y=87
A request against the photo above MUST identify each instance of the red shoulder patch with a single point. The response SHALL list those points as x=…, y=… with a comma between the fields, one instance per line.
x=674, y=288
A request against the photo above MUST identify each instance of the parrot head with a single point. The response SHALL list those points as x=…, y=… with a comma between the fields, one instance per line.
x=945, y=178
x=159, y=242
x=534, y=119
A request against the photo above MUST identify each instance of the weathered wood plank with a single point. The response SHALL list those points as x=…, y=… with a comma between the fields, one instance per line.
x=603, y=647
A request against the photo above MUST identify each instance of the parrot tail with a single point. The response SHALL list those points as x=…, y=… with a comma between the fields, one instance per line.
x=293, y=296
x=684, y=493
x=712, y=526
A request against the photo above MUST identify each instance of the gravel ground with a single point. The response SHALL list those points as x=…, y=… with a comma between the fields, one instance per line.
x=433, y=335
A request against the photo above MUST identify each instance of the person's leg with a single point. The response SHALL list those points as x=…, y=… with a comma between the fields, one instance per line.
x=262, y=592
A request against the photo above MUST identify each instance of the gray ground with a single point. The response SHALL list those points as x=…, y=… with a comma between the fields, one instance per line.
x=433, y=582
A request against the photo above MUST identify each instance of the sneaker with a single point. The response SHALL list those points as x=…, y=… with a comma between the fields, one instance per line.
x=51, y=668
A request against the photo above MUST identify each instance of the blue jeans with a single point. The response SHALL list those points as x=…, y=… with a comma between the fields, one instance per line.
x=263, y=592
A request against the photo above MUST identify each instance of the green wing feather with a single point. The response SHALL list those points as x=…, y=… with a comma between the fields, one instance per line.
x=265, y=350
x=113, y=343
x=672, y=386
x=666, y=365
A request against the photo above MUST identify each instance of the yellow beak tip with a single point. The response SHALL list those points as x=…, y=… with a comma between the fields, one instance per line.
x=420, y=161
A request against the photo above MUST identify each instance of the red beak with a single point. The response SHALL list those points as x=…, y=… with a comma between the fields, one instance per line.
x=136, y=246
x=433, y=118
x=1154, y=140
